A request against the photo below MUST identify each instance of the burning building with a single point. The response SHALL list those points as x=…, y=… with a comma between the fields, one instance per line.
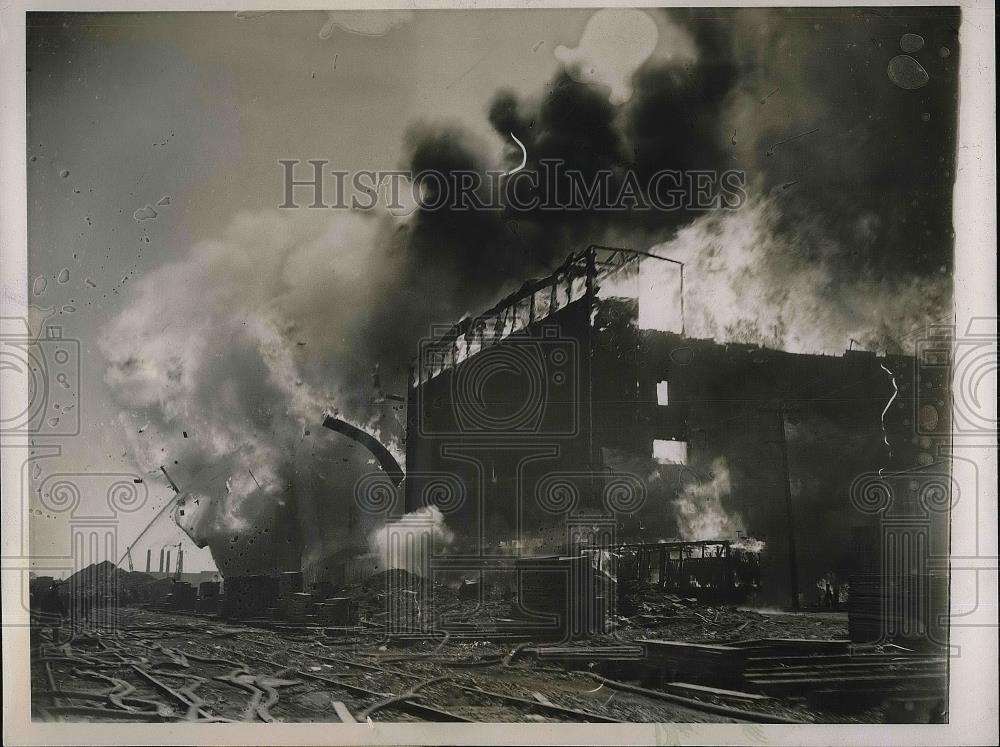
x=576, y=417
x=576, y=412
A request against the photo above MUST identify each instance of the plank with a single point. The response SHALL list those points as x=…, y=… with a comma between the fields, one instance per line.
x=687, y=688
x=343, y=713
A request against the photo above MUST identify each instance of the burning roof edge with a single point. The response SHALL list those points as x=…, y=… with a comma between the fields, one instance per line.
x=573, y=266
x=589, y=266
x=585, y=264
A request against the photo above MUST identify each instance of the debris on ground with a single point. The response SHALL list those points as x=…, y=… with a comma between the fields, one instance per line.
x=397, y=647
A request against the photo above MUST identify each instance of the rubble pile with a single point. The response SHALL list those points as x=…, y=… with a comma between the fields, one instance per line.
x=403, y=600
x=645, y=611
x=408, y=600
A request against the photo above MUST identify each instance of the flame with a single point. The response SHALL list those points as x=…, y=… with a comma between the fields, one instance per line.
x=749, y=544
x=746, y=281
x=699, y=510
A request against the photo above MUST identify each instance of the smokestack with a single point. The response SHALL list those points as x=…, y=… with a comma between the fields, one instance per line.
x=168, y=561
x=180, y=561
x=149, y=558
x=161, y=560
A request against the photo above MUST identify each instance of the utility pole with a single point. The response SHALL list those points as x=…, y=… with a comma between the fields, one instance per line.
x=782, y=442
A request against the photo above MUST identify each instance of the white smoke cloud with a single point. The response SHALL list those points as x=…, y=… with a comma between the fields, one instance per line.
x=409, y=541
x=230, y=356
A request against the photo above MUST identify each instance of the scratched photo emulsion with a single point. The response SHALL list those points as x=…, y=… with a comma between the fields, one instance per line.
x=551, y=366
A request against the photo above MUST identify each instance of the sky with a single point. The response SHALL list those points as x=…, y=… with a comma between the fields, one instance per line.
x=187, y=320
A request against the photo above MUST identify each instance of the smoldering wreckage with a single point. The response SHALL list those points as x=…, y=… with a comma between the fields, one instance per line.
x=600, y=519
